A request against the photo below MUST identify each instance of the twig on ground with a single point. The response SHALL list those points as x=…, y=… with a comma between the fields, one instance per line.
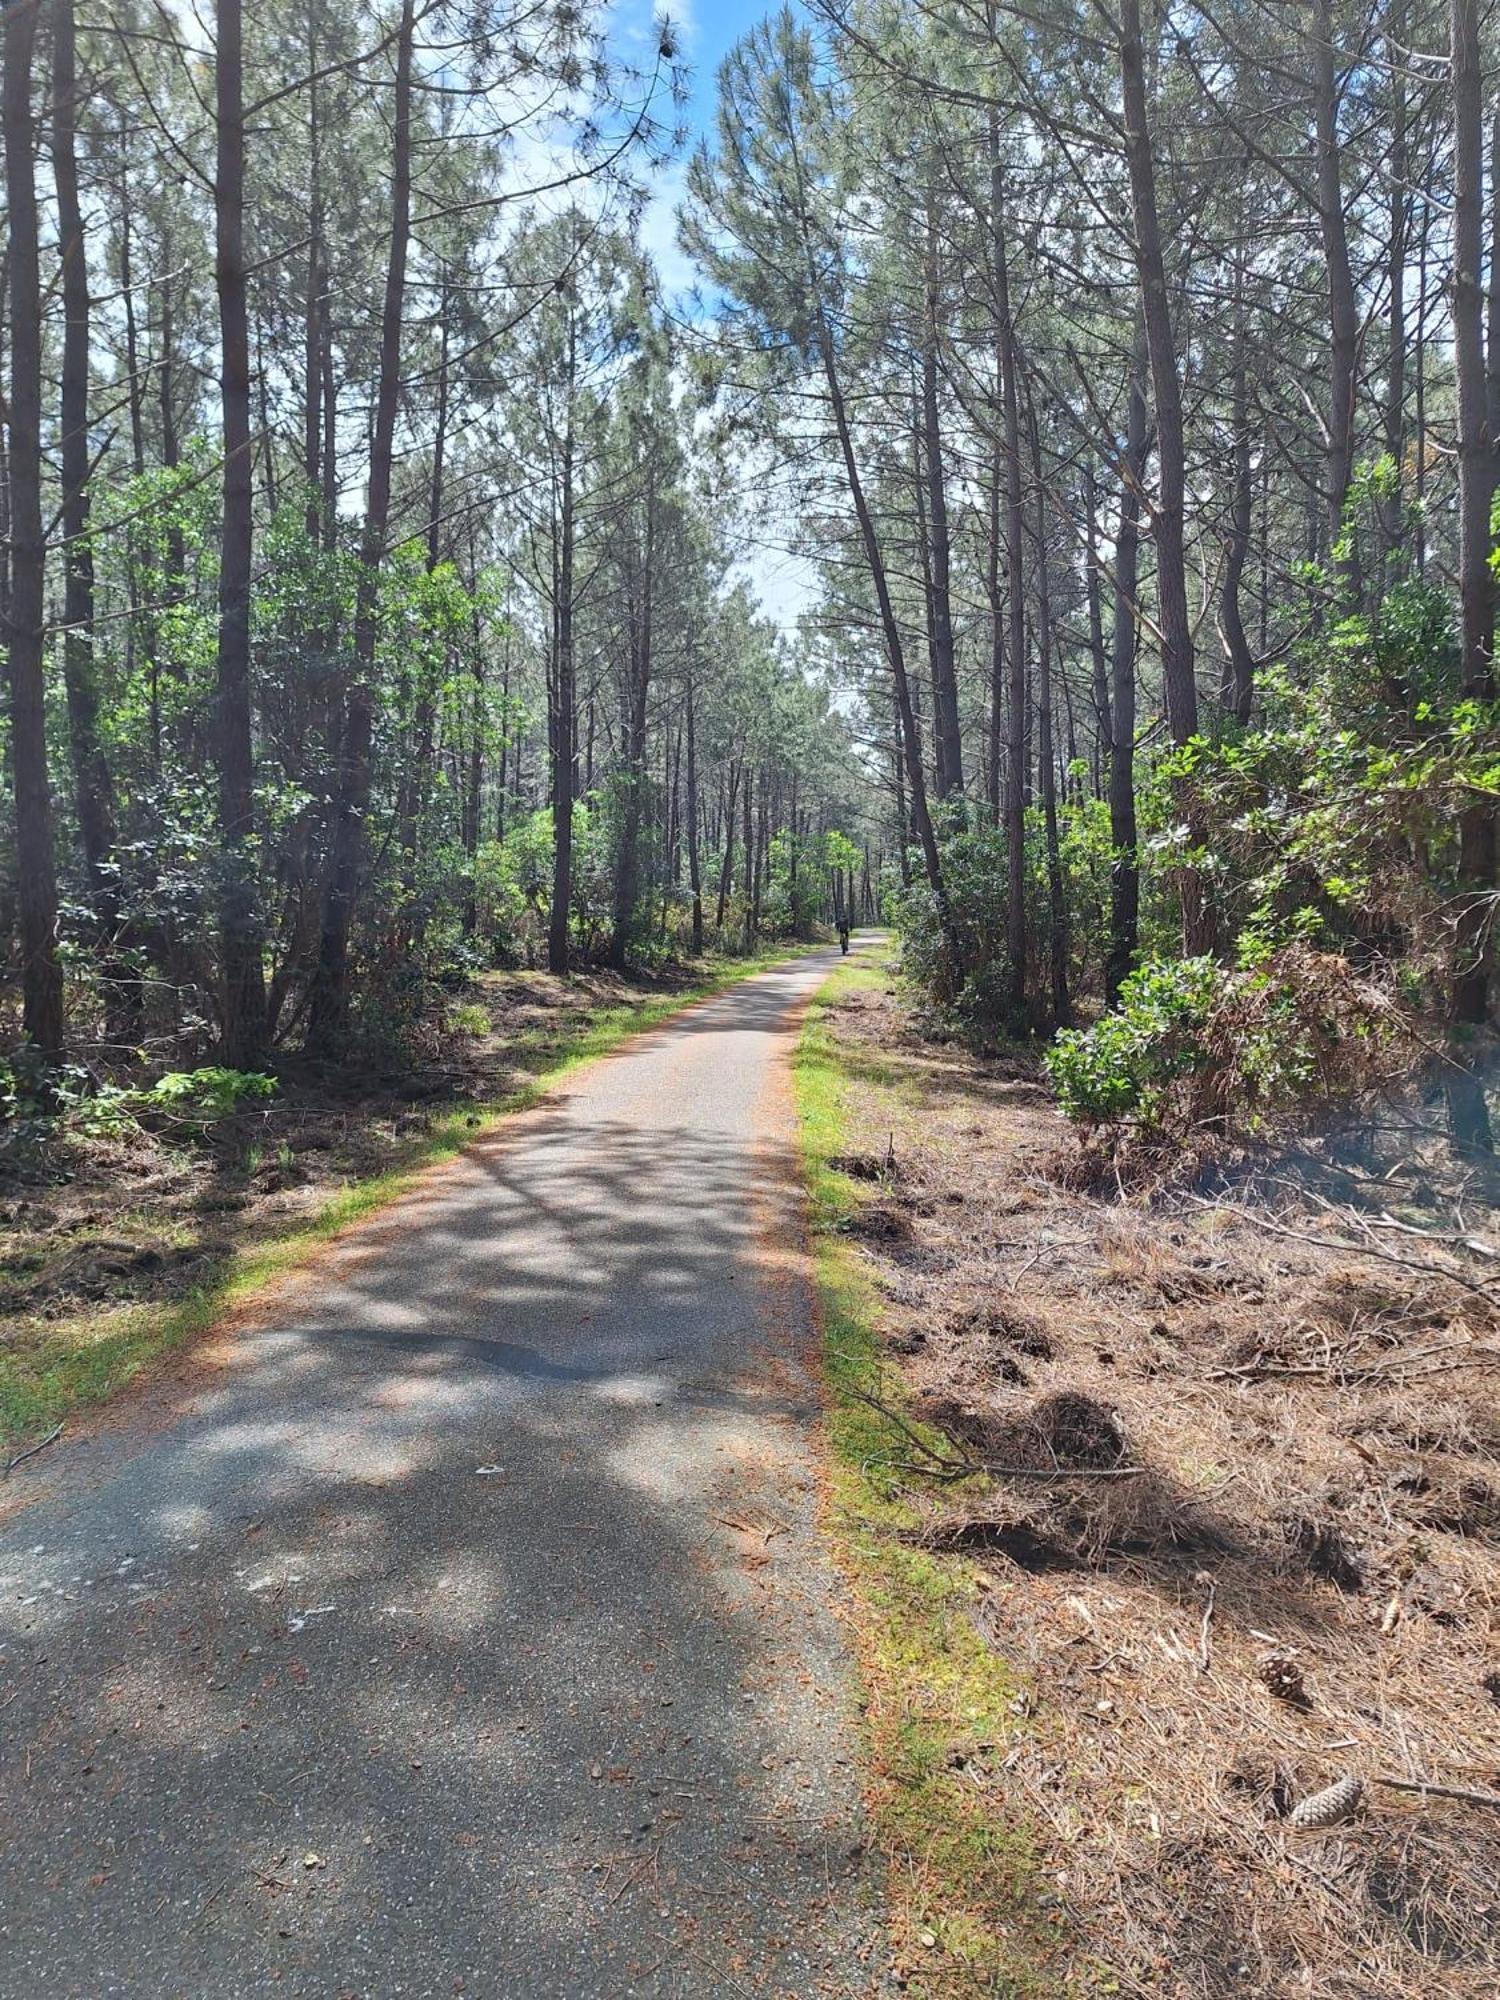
x=948, y=1465
x=1341, y=1246
x=32, y=1450
x=1205, y=1652
x=1061, y=1471
x=1420, y=1785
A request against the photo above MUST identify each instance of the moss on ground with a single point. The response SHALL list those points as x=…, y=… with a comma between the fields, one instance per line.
x=968, y=1908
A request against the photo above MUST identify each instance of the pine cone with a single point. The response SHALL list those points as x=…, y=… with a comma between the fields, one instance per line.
x=1331, y=1806
x=1283, y=1677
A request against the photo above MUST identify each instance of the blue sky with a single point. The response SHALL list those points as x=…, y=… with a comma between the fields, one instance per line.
x=784, y=582
x=708, y=30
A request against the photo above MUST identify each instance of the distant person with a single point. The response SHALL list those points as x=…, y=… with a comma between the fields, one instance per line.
x=844, y=936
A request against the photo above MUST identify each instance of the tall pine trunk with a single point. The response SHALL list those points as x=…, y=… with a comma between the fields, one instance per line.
x=244, y=992
x=1179, y=681
x=945, y=723
x=1125, y=873
x=633, y=747
x=41, y=966
x=563, y=700
x=1476, y=490
x=695, y=874
x=1014, y=788
x=1237, y=690
x=329, y=1009
x=1343, y=308
x=93, y=791
x=1057, y=941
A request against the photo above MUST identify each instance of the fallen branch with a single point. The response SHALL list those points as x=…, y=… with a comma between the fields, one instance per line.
x=1341, y=1246
x=953, y=1467
x=1061, y=1471
x=1475, y=1245
x=944, y=1467
x=1395, y=1368
x=1491, y=1799
x=32, y=1450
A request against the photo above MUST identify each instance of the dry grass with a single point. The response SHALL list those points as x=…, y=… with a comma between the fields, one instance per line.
x=1259, y=1548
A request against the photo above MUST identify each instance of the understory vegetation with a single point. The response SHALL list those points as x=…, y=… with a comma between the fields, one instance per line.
x=388, y=597
x=1173, y=1527
x=374, y=582
x=1153, y=363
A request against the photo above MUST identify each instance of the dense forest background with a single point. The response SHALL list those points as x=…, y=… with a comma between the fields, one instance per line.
x=376, y=525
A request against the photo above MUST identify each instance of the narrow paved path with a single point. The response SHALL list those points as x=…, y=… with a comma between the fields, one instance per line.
x=462, y=1627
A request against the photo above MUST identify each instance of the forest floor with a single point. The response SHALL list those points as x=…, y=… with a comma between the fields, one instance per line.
x=1247, y=1546
x=113, y=1251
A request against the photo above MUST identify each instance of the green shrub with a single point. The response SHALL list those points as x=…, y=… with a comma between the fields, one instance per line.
x=1120, y=1067
x=184, y=1099
x=1199, y=1049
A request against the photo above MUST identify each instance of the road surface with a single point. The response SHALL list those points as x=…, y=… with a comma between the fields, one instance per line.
x=461, y=1626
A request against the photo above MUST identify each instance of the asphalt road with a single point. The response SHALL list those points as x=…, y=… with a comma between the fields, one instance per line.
x=462, y=1626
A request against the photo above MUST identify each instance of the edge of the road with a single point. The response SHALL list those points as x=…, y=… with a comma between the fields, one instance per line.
x=201, y=1330
x=964, y=1912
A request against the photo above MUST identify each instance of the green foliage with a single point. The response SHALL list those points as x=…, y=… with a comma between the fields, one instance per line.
x=183, y=1100
x=36, y=1104
x=1336, y=820
x=1119, y=1068
x=1197, y=1051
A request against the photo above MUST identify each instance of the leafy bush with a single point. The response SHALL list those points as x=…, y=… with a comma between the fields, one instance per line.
x=182, y=1099
x=1197, y=1048
x=1121, y=1067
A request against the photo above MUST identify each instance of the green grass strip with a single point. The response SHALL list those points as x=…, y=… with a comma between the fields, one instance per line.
x=939, y=1703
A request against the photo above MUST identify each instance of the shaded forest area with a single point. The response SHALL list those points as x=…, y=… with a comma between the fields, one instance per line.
x=382, y=538
x=370, y=586
x=1125, y=387
x=1141, y=370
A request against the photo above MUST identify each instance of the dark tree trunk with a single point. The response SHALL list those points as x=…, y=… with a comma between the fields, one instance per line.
x=41, y=966
x=564, y=700
x=1237, y=692
x=93, y=790
x=726, y=871
x=1125, y=878
x=1396, y=254
x=749, y=885
x=1015, y=533
x=1179, y=682
x=171, y=453
x=1343, y=308
x=136, y=385
x=1062, y=1006
x=329, y=1009
x=244, y=1002
x=996, y=732
x=417, y=778
x=695, y=878
x=633, y=748
x=1476, y=487
x=1098, y=655
x=945, y=724
x=312, y=322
